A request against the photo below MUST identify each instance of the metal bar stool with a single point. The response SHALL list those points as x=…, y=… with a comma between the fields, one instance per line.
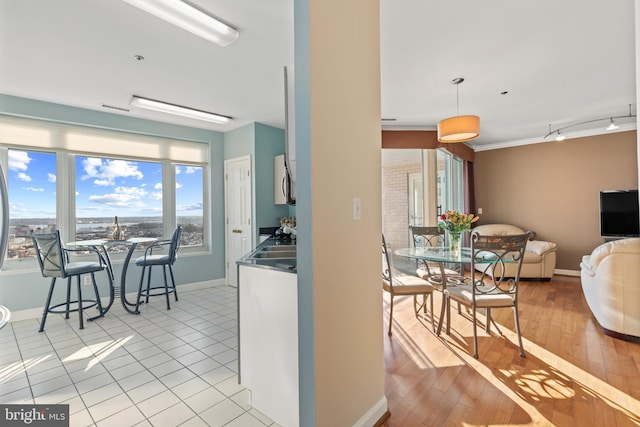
x=166, y=261
x=53, y=259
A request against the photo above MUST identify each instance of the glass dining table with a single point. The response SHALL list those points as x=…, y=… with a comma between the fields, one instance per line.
x=442, y=256
x=101, y=246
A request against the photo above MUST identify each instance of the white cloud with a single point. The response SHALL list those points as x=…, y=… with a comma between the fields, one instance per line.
x=51, y=177
x=33, y=189
x=178, y=170
x=104, y=172
x=129, y=197
x=192, y=169
x=178, y=185
x=156, y=196
x=193, y=207
x=157, y=186
x=24, y=177
x=19, y=160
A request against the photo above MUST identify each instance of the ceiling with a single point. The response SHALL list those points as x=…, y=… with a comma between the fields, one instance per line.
x=526, y=65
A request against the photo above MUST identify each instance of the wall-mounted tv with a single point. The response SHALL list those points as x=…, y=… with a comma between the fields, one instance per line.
x=619, y=215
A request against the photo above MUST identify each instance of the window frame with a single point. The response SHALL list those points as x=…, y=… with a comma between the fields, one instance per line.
x=57, y=143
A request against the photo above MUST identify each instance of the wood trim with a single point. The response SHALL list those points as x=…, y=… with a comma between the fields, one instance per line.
x=383, y=419
x=423, y=139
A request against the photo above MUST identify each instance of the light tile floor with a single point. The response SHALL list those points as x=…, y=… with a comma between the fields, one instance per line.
x=163, y=367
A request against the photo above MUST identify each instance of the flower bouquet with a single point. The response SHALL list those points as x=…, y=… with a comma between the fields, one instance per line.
x=456, y=223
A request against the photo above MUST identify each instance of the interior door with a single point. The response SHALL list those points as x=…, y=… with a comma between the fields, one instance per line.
x=239, y=208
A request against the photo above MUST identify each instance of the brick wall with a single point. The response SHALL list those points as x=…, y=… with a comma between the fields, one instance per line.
x=395, y=203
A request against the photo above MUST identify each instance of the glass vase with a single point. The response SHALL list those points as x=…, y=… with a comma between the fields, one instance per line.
x=454, y=243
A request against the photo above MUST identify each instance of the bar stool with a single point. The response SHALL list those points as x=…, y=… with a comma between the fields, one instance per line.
x=165, y=260
x=54, y=262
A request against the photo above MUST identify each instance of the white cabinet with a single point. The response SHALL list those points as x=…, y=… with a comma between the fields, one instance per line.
x=268, y=301
x=279, y=174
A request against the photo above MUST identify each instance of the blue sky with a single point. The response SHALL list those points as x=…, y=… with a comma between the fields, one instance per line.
x=104, y=187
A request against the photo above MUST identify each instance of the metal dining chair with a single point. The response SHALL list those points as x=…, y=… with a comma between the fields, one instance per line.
x=490, y=287
x=166, y=260
x=426, y=237
x=54, y=262
x=404, y=285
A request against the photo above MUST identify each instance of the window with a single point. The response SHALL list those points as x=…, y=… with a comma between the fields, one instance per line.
x=78, y=179
x=450, y=182
x=108, y=188
x=418, y=186
x=189, y=204
x=32, y=199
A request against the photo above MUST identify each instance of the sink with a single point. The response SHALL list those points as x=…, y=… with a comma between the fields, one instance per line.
x=285, y=248
x=273, y=254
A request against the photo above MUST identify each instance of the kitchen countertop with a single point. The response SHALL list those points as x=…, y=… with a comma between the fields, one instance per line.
x=273, y=254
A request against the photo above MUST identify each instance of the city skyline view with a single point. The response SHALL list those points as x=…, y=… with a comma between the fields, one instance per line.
x=104, y=187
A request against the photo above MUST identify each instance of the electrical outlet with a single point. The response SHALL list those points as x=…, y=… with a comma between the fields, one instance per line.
x=86, y=280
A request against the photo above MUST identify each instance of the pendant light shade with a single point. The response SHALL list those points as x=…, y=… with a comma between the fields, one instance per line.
x=458, y=128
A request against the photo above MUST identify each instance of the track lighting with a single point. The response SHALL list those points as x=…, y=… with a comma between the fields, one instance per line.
x=611, y=119
x=613, y=125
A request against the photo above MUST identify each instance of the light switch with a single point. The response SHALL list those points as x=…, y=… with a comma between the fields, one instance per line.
x=479, y=211
x=356, y=208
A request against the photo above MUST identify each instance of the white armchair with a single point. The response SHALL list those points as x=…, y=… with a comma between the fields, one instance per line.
x=539, y=257
x=610, y=281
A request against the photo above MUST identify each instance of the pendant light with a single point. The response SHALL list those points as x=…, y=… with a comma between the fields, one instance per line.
x=458, y=128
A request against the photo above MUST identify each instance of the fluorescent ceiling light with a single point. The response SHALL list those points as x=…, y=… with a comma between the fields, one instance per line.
x=189, y=18
x=178, y=110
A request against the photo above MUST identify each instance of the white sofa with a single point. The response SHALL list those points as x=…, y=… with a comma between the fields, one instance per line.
x=539, y=259
x=611, y=284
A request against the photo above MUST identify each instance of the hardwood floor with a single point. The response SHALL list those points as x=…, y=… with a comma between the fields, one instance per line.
x=573, y=374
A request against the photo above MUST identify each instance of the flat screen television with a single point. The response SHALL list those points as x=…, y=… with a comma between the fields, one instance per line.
x=619, y=213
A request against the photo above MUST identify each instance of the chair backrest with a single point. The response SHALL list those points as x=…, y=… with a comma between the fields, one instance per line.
x=175, y=244
x=427, y=236
x=489, y=254
x=387, y=276
x=49, y=253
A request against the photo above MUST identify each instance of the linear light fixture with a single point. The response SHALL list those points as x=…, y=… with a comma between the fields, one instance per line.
x=610, y=119
x=189, y=18
x=179, y=110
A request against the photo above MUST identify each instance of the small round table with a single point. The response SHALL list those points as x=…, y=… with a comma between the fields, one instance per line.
x=5, y=315
x=100, y=245
x=133, y=242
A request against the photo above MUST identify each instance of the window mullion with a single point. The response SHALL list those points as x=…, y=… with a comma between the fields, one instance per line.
x=168, y=197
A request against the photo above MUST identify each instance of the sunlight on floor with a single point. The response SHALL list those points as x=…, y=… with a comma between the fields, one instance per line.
x=534, y=384
x=97, y=352
x=17, y=368
x=559, y=380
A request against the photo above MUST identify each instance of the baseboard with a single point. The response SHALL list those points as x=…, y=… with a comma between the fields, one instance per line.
x=374, y=414
x=561, y=272
x=36, y=313
x=203, y=285
x=31, y=313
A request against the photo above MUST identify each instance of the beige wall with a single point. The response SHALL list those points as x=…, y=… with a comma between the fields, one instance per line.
x=553, y=188
x=345, y=163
